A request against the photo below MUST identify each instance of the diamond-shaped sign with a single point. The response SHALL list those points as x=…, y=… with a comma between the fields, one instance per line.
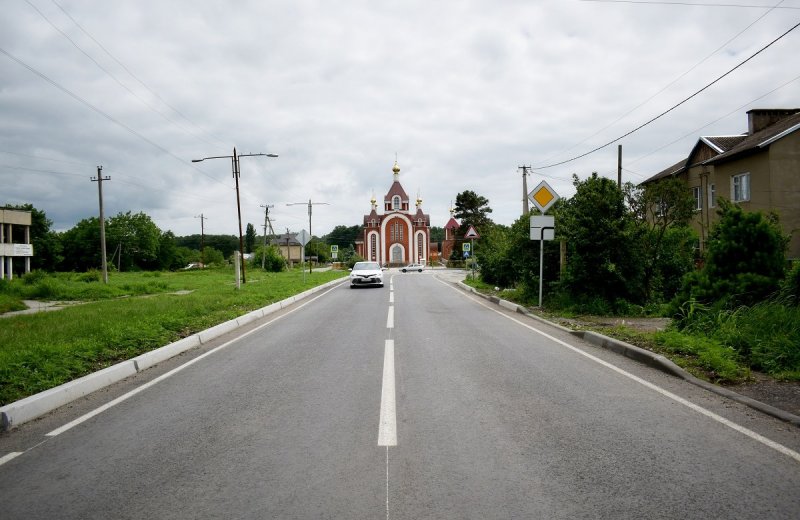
x=543, y=196
x=303, y=237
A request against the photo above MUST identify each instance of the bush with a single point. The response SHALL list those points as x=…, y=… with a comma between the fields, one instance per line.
x=719, y=361
x=34, y=277
x=790, y=289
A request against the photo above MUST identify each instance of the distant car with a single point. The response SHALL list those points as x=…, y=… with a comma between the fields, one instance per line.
x=413, y=267
x=365, y=274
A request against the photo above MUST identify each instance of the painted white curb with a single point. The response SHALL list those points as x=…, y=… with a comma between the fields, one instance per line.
x=35, y=406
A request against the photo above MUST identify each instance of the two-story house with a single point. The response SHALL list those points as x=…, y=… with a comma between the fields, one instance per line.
x=758, y=170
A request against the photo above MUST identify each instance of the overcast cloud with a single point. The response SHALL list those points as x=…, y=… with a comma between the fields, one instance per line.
x=463, y=92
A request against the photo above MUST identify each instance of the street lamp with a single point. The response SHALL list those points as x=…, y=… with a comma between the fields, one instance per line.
x=235, y=167
x=309, y=221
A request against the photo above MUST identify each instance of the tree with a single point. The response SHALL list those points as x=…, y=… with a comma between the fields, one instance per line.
x=745, y=260
x=249, y=238
x=81, y=246
x=604, y=260
x=136, y=240
x=658, y=208
x=343, y=236
x=273, y=260
x=47, y=248
x=472, y=210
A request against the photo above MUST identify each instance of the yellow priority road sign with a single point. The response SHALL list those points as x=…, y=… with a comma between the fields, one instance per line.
x=543, y=196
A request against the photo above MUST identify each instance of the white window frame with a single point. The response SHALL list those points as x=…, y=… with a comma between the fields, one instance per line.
x=712, y=196
x=740, y=187
x=697, y=194
x=396, y=202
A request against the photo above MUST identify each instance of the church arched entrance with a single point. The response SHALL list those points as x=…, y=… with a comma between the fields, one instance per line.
x=397, y=254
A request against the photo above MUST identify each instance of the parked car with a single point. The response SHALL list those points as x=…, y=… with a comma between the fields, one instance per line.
x=413, y=267
x=366, y=274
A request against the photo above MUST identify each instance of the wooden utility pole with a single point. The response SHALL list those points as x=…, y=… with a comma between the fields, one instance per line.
x=619, y=166
x=99, y=180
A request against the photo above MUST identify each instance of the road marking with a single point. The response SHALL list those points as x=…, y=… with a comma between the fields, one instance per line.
x=666, y=393
x=390, y=318
x=391, y=296
x=387, y=429
x=15, y=454
x=125, y=397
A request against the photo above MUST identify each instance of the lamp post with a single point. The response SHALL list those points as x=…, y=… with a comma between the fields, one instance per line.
x=310, y=204
x=235, y=167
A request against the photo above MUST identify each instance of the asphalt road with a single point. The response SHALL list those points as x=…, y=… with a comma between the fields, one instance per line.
x=411, y=401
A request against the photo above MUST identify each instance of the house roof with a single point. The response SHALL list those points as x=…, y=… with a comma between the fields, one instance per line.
x=280, y=240
x=673, y=170
x=452, y=224
x=759, y=140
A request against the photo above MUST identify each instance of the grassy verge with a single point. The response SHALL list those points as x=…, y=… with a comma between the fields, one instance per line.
x=43, y=350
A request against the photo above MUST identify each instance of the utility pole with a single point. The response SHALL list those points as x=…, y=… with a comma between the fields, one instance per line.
x=99, y=180
x=236, y=174
x=266, y=220
x=619, y=166
x=309, y=222
x=525, y=207
x=202, y=238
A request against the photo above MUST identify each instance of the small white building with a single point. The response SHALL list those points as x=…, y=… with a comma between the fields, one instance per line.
x=10, y=219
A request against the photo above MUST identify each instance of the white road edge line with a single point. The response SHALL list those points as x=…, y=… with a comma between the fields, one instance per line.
x=666, y=393
x=125, y=397
x=13, y=455
x=387, y=429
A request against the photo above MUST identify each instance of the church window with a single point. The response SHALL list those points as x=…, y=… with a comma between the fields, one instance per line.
x=396, y=202
x=419, y=245
x=374, y=245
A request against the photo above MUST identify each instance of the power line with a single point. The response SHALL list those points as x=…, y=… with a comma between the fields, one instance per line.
x=104, y=114
x=694, y=132
x=673, y=107
x=671, y=83
x=693, y=4
x=131, y=74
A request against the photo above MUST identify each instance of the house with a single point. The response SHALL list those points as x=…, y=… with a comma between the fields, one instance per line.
x=759, y=170
x=398, y=235
x=291, y=249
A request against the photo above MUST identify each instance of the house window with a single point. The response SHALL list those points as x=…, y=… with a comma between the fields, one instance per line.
x=712, y=196
x=740, y=187
x=697, y=194
x=396, y=202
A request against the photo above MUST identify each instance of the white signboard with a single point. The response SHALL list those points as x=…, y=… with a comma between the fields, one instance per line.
x=543, y=227
x=22, y=250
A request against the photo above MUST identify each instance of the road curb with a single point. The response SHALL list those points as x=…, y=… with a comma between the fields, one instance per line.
x=34, y=406
x=644, y=356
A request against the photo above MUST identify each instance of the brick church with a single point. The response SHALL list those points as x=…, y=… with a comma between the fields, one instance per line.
x=398, y=235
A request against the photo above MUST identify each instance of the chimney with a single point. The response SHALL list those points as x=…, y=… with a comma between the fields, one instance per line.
x=760, y=118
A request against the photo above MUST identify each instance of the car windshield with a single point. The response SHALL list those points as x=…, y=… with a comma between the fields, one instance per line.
x=366, y=266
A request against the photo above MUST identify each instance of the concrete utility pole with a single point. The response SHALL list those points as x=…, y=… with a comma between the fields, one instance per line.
x=99, y=180
x=266, y=221
x=619, y=166
x=202, y=238
x=525, y=207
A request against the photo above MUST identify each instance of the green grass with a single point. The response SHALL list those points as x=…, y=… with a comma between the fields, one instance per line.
x=133, y=314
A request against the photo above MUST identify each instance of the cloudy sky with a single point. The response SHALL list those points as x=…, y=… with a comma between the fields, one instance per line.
x=461, y=92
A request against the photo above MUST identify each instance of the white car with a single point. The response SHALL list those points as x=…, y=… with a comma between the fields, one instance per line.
x=366, y=274
x=413, y=267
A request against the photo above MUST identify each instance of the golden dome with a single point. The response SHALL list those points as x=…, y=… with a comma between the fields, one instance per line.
x=396, y=168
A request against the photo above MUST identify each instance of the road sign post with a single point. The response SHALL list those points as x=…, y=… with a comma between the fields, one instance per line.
x=542, y=227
